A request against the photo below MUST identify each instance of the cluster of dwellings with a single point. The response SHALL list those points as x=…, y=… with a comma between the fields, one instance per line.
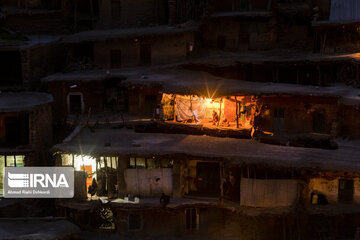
x=245, y=113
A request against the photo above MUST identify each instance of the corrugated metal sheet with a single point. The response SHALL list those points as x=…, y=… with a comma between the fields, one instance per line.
x=344, y=10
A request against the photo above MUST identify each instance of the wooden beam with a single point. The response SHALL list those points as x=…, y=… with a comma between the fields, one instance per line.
x=237, y=112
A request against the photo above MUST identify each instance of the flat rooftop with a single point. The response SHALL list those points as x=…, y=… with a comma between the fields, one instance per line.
x=22, y=101
x=117, y=142
x=276, y=56
x=91, y=75
x=102, y=35
x=173, y=80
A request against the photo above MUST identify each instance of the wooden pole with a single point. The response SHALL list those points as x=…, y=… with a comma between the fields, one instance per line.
x=219, y=113
x=237, y=112
x=175, y=108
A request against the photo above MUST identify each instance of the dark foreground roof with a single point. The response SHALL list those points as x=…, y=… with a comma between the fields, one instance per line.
x=233, y=151
x=102, y=35
x=22, y=101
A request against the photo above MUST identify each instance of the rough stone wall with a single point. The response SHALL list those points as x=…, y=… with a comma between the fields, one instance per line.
x=40, y=133
x=240, y=35
x=92, y=92
x=54, y=24
x=164, y=50
x=130, y=15
x=137, y=95
x=350, y=122
x=171, y=222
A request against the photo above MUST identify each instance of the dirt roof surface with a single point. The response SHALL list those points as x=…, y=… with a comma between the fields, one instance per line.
x=101, y=35
x=202, y=83
x=278, y=56
x=90, y=75
x=234, y=151
x=22, y=101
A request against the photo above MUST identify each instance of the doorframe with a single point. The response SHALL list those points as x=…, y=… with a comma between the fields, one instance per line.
x=82, y=101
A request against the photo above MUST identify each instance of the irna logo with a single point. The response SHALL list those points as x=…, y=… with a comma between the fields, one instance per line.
x=39, y=182
x=18, y=180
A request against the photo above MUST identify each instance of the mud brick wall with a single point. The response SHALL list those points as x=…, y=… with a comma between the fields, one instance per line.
x=239, y=34
x=51, y=22
x=137, y=99
x=170, y=221
x=299, y=113
x=164, y=49
x=130, y=14
x=350, y=122
x=330, y=188
x=39, y=61
x=93, y=94
x=40, y=133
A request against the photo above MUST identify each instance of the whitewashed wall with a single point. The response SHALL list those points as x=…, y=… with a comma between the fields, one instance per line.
x=268, y=192
x=142, y=181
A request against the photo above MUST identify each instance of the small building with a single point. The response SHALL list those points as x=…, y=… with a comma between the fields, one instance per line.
x=338, y=33
x=25, y=129
x=25, y=59
x=241, y=31
x=204, y=178
x=86, y=93
x=120, y=48
x=193, y=98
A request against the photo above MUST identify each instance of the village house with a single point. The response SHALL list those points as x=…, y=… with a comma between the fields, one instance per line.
x=25, y=59
x=193, y=97
x=339, y=32
x=119, y=48
x=25, y=130
x=86, y=93
x=205, y=177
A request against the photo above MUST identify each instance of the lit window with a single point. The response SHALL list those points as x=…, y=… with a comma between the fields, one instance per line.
x=19, y=160
x=67, y=159
x=10, y=161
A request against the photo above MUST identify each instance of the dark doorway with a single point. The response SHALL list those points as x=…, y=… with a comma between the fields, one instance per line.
x=75, y=104
x=150, y=104
x=318, y=122
x=221, y=42
x=209, y=173
x=10, y=69
x=346, y=190
x=145, y=54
